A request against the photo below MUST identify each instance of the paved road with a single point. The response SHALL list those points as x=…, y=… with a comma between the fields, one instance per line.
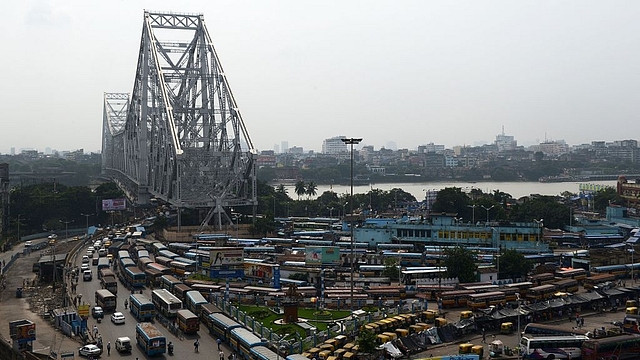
x=183, y=347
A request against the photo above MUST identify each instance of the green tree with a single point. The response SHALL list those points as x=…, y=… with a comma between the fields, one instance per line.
x=367, y=341
x=311, y=189
x=391, y=269
x=555, y=214
x=513, y=265
x=454, y=201
x=460, y=263
x=604, y=198
x=300, y=189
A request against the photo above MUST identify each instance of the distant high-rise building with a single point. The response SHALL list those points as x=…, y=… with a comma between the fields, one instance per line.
x=284, y=146
x=391, y=145
x=505, y=142
x=47, y=151
x=276, y=148
x=431, y=148
x=334, y=145
x=13, y=150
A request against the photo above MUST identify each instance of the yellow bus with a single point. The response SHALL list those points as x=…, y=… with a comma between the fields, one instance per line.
x=484, y=300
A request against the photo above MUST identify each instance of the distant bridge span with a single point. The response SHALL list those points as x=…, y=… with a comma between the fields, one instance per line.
x=179, y=137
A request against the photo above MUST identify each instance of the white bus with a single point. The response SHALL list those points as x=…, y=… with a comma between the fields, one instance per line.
x=166, y=303
x=552, y=347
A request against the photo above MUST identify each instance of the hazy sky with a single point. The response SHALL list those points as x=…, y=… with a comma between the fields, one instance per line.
x=412, y=72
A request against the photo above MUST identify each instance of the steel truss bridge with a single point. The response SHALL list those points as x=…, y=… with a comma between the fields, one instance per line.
x=179, y=136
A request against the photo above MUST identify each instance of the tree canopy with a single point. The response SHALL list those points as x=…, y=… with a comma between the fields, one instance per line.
x=460, y=263
x=513, y=265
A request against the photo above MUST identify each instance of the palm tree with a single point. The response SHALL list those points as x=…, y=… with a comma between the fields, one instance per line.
x=281, y=189
x=300, y=188
x=311, y=189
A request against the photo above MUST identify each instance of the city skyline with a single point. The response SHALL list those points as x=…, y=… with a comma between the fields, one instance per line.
x=413, y=73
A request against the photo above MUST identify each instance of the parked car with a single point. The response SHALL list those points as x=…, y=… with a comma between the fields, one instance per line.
x=117, y=318
x=89, y=350
x=28, y=243
x=97, y=312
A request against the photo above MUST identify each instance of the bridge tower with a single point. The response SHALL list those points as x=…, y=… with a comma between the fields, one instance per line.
x=183, y=140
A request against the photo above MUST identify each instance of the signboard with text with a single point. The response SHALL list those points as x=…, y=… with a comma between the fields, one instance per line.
x=322, y=255
x=226, y=256
x=114, y=204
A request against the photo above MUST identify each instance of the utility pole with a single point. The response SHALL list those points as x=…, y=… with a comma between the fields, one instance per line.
x=352, y=141
x=87, y=218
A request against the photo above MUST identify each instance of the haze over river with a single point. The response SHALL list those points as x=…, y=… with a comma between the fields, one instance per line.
x=515, y=189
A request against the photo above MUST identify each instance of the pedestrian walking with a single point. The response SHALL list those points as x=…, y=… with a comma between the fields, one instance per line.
x=196, y=344
x=582, y=321
x=109, y=348
x=219, y=342
x=95, y=330
x=221, y=354
x=484, y=336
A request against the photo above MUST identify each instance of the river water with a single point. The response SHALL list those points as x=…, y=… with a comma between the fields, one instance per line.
x=418, y=190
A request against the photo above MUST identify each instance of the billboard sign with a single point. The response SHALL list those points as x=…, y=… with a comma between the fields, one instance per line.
x=226, y=256
x=226, y=274
x=114, y=204
x=322, y=255
x=22, y=331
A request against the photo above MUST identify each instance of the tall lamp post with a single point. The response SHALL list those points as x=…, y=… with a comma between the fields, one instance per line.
x=351, y=141
x=473, y=213
x=87, y=217
x=488, y=209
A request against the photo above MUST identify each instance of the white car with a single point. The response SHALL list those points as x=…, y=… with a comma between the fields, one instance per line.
x=91, y=248
x=89, y=350
x=28, y=243
x=84, y=267
x=85, y=259
x=117, y=318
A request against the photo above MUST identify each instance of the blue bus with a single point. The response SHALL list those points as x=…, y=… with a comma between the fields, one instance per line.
x=166, y=303
x=123, y=254
x=141, y=307
x=134, y=277
x=221, y=325
x=156, y=247
x=263, y=353
x=103, y=263
x=169, y=282
x=150, y=339
x=194, y=301
x=242, y=340
x=167, y=253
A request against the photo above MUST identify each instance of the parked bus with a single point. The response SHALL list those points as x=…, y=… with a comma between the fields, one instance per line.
x=124, y=254
x=263, y=353
x=194, y=301
x=169, y=282
x=521, y=286
x=160, y=268
x=150, y=339
x=221, y=325
x=619, y=271
x=542, y=278
x=484, y=300
x=166, y=303
x=180, y=291
x=164, y=261
x=141, y=307
x=625, y=346
x=540, y=293
x=577, y=274
x=566, y=285
x=109, y=282
x=180, y=268
x=134, y=278
x=456, y=298
x=242, y=340
x=592, y=281
x=188, y=322
x=106, y=300
x=552, y=347
x=537, y=329
x=153, y=277
x=206, y=289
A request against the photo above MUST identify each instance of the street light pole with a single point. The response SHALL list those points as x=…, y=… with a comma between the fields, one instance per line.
x=473, y=213
x=352, y=141
x=87, y=217
x=488, y=209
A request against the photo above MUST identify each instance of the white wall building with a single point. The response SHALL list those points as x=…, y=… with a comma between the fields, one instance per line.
x=334, y=145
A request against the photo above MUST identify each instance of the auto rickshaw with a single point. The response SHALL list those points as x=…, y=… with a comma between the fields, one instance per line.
x=314, y=352
x=440, y=322
x=382, y=339
x=466, y=315
x=348, y=346
x=506, y=328
x=424, y=326
x=341, y=340
x=429, y=316
x=632, y=310
x=415, y=329
x=392, y=336
x=478, y=349
x=465, y=348
x=327, y=347
x=324, y=354
x=349, y=356
x=631, y=303
x=339, y=353
x=402, y=332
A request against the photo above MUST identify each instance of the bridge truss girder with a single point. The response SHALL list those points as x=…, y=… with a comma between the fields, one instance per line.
x=184, y=140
